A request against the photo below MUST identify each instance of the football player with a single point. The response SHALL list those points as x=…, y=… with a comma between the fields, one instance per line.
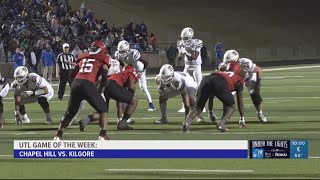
x=85, y=74
x=30, y=88
x=190, y=50
x=120, y=87
x=133, y=57
x=4, y=89
x=219, y=84
x=113, y=69
x=173, y=83
x=252, y=77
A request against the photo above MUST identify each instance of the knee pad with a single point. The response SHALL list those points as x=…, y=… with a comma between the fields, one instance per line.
x=43, y=102
x=256, y=98
x=22, y=109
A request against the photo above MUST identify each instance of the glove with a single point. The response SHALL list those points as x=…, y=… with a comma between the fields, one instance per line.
x=242, y=123
x=27, y=93
x=15, y=85
x=183, y=50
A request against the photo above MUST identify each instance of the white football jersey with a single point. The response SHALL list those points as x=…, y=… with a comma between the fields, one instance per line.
x=4, y=88
x=194, y=45
x=114, y=66
x=181, y=82
x=132, y=58
x=34, y=82
x=248, y=66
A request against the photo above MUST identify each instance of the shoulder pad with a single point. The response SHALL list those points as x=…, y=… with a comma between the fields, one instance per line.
x=136, y=54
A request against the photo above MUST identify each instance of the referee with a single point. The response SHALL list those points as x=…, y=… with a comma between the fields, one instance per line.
x=65, y=63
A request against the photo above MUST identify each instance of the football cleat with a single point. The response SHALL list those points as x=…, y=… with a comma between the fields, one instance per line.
x=82, y=126
x=103, y=138
x=130, y=121
x=18, y=120
x=221, y=125
x=1, y=126
x=262, y=118
x=242, y=124
x=182, y=110
x=124, y=127
x=213, y=117
x=25, y=119
x=57, y=138
x=200, y=120
x=151, y=109
x=185, y=128
x=161, y=121
x=49, y=121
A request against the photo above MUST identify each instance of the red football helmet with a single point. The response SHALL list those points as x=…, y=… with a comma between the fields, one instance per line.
x=98, y=47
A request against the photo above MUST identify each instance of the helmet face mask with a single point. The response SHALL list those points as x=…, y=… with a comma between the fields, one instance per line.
x=187, y=35
x=166, y=73
x=230, y=56
x=123, y=48
x=98, y=47
x=21, y=75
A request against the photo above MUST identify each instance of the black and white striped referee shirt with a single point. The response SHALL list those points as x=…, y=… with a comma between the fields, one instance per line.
x=65, y=61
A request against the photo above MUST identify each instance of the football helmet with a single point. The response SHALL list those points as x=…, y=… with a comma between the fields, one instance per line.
x=166, y=73
x=98, y=47
x=187, y=35
x=123, y=48
x=231, y=55
x=21, y=75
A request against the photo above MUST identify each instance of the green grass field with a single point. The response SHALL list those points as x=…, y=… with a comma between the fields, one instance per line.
x=291, y=104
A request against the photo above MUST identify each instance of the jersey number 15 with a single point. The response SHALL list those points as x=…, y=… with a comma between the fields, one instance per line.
x=87, y=65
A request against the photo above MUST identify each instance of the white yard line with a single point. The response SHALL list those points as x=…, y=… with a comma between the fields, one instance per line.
x=184, y=170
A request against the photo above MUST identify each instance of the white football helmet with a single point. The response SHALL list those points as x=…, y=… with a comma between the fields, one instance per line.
x=166, y=73
x=230, y=55
x=187, y=35
x=21, y=75
x=123, y=48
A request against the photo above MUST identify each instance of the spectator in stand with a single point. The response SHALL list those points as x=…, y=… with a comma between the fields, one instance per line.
x=76, y=51
x=18, y=59
x=1, y=50
x=109, y=41
x=204, y=55
x=172, y=53
x=219, y=53
x=48, y=61
x=143, y=30
x=153, y=40
x=31, y=60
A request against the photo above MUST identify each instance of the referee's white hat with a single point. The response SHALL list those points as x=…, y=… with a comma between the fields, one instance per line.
x=65, y=45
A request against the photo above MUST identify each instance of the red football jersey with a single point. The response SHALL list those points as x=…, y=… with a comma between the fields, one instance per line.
x=235, y=67
x=122, y=77
x=90, y=65
x=232, y=79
